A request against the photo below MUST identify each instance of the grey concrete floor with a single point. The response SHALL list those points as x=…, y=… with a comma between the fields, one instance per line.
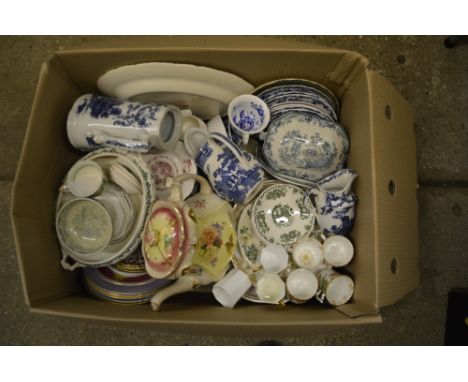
x=433, y=79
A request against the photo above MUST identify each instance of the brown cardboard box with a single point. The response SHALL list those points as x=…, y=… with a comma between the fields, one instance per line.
x=380, y=125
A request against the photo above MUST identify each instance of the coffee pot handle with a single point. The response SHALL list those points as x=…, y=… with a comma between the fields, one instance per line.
x=141, y=146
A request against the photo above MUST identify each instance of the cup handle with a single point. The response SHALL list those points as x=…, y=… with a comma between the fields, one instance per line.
x=69, y=263
x=119, y=143
x=205, y=187
x=225, y=141
x=245, y=138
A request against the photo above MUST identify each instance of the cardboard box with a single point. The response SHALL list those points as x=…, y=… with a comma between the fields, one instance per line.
x=380, y=125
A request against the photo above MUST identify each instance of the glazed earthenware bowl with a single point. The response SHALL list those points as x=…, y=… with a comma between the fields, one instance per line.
x=282, y=215
x=302, y=146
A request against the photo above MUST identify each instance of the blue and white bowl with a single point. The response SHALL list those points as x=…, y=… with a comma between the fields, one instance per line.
x=302, y=146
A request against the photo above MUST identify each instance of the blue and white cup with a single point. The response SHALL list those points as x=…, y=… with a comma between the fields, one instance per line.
x=234, y=174
x=97, y=121
x=248, y=115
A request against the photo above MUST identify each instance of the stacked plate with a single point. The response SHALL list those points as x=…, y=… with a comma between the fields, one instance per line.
x=113, y=284
x=296, y=95
x=303, y=142
x=142, y=202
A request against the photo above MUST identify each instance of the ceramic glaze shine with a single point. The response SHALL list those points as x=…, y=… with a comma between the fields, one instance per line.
x=87, y=180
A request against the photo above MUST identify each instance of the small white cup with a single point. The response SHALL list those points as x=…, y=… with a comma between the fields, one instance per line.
x=231, y=288
x=302, y=285
x=308, y=254
x=336, y=288
x=84, y=179
x=274, y=258
x=338, y=251
x=248, y=115
x=270, y=288
x=216, y=125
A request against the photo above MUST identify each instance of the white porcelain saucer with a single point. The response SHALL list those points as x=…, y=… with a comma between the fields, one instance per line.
x=205, y=91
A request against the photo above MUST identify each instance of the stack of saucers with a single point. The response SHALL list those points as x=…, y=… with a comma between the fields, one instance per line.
x=303, y=142
x=296, y=95
x=126, y=282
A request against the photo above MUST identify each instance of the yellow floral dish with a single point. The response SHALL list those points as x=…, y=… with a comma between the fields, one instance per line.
x=217, y=237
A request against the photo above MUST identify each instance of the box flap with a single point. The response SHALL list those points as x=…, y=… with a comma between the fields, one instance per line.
x=355, y=310
x=45, y=157
x=256, y=59
x=198, y=314
x=395, y=175
x=256, y=43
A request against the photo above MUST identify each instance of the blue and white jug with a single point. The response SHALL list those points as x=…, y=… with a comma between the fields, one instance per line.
x=96, y=121
x=335, y=203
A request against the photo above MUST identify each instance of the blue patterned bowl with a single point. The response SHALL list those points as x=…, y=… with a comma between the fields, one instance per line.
x=300, y=145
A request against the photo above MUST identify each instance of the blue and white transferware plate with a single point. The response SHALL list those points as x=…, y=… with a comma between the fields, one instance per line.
x=284, y=93
x=302, y=146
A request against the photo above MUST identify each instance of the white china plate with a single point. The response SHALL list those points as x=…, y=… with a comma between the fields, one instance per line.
x=205, y=91
x=142, y=203
x=282, y=215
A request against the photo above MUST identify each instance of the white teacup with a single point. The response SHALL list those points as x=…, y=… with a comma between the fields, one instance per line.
x=274, y=258
x=231, y=288
x=270, y=288
x=308, y=254
x=248, y=115
x=336, y=288
x=302, y=285
x=96, y=121
x=338, y=251
x=84, y=179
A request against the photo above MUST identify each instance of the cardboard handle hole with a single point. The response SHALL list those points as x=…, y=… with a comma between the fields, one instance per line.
x=391, y=187
x=394, y=266
x=388, y=112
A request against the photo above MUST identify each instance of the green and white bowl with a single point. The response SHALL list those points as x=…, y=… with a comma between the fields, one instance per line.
x=282, y=215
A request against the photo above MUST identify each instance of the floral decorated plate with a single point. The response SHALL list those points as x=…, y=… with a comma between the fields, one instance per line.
x=282, y=215
x=250, y=245
x=205, y=91
x=171, y=164
x=302, y=146
x=163, y=240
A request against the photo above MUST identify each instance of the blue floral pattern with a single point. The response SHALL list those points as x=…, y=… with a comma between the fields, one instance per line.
x=119, y=112
x=229, y=178
x=249, y=117
x=336, y=207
